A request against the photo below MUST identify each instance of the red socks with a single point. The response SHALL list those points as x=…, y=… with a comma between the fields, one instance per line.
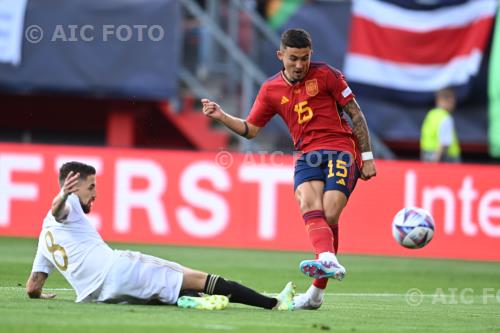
x=321, y=283
x=319, y=231
x=335, y=232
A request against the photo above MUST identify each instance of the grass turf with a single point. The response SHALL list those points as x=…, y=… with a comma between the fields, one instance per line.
x=457, y=296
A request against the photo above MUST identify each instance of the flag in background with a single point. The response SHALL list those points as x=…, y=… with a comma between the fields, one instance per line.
x=280, y=11
x=494, y=94
x=413, y=48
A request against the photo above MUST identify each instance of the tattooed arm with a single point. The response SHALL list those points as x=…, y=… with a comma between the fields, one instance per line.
x=360, y=130
x=34, y=286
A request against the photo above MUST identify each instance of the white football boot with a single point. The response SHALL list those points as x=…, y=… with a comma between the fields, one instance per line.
x=326, y=266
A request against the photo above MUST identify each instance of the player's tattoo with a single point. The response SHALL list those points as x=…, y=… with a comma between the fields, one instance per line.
x=359, y=126
x=39, y=277
x=35, y=284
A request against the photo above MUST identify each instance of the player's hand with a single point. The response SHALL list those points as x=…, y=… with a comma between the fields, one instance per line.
x=47, y=296
x=368, y=170
x=71, y=183
x=212, y=109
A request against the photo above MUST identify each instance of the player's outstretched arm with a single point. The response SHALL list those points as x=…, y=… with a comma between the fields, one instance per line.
x=34, y=286
x=59, y=209
x=360, y=130
x=235, y=124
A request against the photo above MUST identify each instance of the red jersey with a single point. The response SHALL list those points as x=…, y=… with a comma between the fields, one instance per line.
x=311, y=108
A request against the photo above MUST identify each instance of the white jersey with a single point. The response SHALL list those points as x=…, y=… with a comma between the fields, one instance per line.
x=75, y=248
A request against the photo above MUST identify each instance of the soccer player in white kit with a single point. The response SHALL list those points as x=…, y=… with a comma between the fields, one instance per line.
x=70, y=243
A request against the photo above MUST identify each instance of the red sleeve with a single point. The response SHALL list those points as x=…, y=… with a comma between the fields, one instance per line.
x=261, y=111
x=338, y=87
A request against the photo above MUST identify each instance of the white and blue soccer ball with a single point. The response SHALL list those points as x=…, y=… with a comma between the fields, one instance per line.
x=413, y=227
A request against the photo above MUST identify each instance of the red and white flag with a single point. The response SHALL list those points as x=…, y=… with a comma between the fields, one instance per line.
x=410, y=49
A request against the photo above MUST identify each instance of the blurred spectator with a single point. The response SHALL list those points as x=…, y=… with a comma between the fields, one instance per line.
x=439, y=141
x=197, y=43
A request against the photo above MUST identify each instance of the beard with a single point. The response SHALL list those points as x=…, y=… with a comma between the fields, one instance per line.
x=86, y=208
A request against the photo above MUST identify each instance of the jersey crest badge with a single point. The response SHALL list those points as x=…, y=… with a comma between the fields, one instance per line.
x=312, y=87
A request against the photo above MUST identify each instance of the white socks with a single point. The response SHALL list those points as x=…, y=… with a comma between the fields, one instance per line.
x=315, y=294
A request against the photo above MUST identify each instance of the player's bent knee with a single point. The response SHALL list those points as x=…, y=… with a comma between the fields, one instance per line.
x=307, y=206
x=193, y=280
x=332, y=219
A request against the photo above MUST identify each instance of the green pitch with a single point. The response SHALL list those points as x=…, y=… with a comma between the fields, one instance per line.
x=378, y=295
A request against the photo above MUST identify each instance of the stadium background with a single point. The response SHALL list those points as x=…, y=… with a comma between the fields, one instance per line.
x=129, y=105
x=116, y=84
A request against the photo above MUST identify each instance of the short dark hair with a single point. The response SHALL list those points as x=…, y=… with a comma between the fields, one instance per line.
x=85, y=170
x=296, y=38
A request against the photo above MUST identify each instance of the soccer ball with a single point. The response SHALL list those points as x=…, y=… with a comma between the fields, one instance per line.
x=413, y=227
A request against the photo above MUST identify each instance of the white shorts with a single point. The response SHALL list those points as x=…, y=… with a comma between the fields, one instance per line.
x=137, y=278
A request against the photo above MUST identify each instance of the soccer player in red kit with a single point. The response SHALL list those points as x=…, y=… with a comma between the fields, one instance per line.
x=312, y=99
